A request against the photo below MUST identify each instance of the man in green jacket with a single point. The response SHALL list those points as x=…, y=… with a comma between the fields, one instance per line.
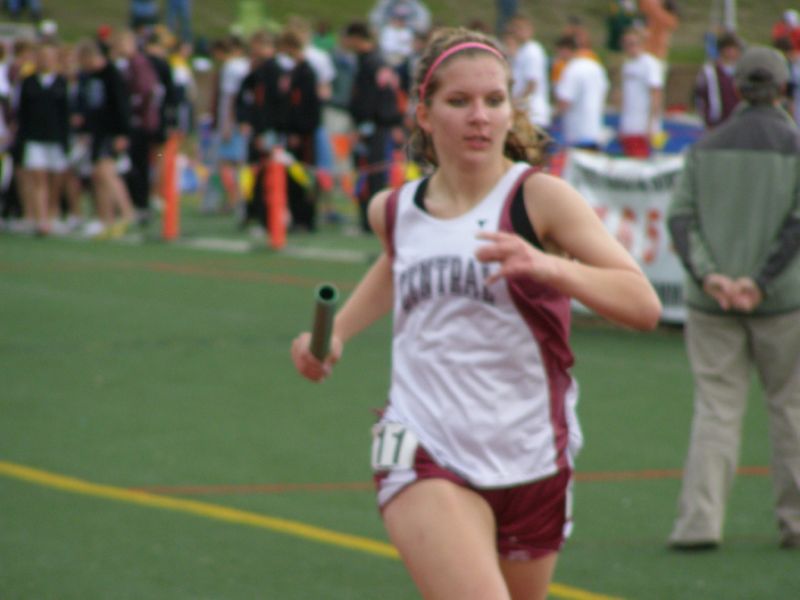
x=735, y=224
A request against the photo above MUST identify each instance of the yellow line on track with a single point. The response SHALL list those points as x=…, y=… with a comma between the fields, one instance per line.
x=233, y=515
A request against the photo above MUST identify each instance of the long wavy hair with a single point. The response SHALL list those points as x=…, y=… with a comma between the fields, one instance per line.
x=525, y=141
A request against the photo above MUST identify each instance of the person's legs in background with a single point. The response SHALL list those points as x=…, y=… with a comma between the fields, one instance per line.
x=718, y=349
x=776, y=345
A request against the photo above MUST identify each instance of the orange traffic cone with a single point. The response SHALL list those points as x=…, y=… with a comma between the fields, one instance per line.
x=169, y=190
x=275, y=202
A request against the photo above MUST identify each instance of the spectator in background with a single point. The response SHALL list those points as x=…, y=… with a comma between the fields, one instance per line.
x=143, y=13
x=530, y=91
x=577, y=31
x=180, y=58
x=6, y=165
x=505, y=10
x=375, y=111
x=231, y=144
x=621, y=17
x=79, y=167
x=788, y=27
x=661, y=20
x=255, y=119
x=642, y=96
x=581, y=97
x=318, y=59
x=321, y=62
x=735, y=224
x=715, y=95
x=15, y=8
x=792, y=55
x=103, y=37
x=43, y=132
x=104, y=112
x=417, y=15
x=324, y=36
x=155, y=49
x=23, y=64
x=293, y=101
x=179, y=18
x=345, y=63
x=213, y=190
x=143, y=89
x=396, y=37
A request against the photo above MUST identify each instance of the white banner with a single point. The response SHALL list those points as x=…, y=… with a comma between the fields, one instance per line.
x=631, y=197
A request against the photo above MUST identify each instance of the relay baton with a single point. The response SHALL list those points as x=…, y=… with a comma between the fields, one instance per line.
x=325, y=298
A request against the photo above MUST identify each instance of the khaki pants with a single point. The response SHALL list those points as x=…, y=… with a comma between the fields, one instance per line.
x=722, y=350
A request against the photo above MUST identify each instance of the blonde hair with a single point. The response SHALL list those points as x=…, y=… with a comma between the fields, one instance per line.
x=525, y=141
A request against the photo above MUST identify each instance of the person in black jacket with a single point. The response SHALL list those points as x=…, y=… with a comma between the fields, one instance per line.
x=293, y=109
x=43, y=131
x=375, y=111
x=155, y=49
x=105, y=114
x=254, y=120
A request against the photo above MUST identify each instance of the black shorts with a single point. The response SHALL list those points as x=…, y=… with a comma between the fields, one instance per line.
x=103, y=147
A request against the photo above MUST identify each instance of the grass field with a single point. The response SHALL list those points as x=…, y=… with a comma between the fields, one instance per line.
x=155, y=441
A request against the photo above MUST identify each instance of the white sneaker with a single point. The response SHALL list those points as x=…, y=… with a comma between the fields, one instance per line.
x=24, y=226
x=74, y=223
x=58, y=227
x=93, y=229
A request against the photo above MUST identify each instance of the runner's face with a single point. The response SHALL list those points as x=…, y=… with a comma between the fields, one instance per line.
x=470, y=113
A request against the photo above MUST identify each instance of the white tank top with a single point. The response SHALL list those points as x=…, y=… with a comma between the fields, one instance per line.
x=479, y=373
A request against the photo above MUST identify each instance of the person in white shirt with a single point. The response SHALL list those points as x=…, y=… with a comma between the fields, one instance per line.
x=531, y=89
x=416, y=13
x=642, y=97
x=396, y=39
x=581, y=94
x=473, y=456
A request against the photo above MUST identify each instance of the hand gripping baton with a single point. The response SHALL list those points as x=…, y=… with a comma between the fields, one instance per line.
x=325, y=298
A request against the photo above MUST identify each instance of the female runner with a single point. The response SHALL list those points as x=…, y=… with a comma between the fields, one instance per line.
x=473, y=455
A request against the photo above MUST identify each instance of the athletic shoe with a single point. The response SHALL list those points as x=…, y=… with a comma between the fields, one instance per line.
x=24, y=226
x=791, y=541
x=94, y=230
x=118, y=229
x=73, y=223
x=58, y=227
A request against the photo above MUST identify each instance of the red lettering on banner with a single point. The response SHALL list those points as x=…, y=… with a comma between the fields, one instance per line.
x=627, y=223
x=653, y=235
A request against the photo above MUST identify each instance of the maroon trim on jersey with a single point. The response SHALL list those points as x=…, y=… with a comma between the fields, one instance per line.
x=547, y=313
x=391, y=219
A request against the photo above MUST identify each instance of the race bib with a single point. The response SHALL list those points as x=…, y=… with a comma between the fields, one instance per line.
x=393, y=447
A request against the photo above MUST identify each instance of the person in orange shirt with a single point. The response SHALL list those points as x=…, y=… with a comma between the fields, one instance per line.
x=661, y=21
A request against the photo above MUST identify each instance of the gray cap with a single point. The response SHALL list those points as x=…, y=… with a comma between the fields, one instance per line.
x=761, y=68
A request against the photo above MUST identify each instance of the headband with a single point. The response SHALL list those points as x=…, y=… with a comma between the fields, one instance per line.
x=447, y=54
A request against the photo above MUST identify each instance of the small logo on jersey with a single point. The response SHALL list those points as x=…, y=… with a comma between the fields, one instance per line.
x=481, y=223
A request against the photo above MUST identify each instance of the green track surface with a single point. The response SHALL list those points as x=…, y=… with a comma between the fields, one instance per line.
x=157, y=366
